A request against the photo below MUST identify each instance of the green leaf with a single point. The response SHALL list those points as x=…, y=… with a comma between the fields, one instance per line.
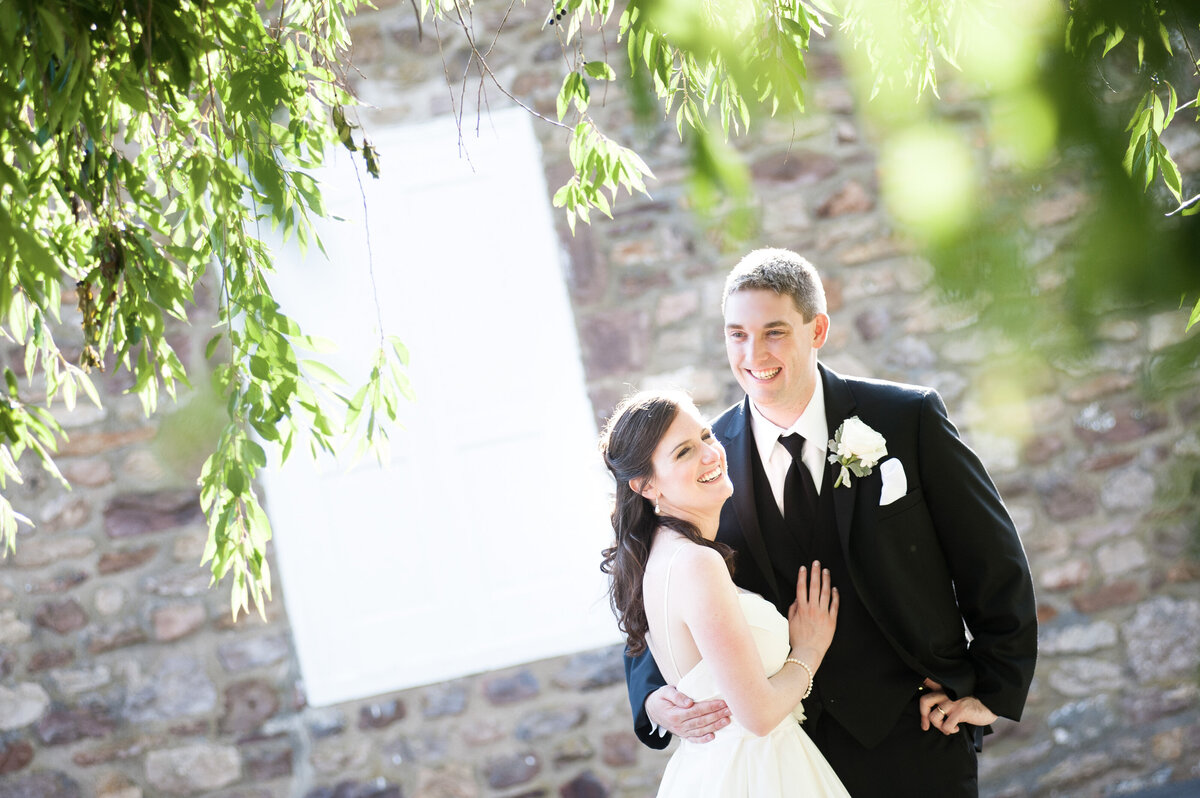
x=1170, y=173
x=254, y=454
x=324, y=372
x=211, y=347
x=308, y=188
x=399, y=348
x=1114, y=38
x=582, y=93
x=52, y=25
x=9, y=176
x=18, y=322
x=798, y=29
x=68, y=392
x=356, y=406
x=260, y=531
x=260, y=368
x=561, y=196
x=88, y=386
x=235, y=480
x=600, y=70
x=198, y=174
x=565, y=93
x=8, y=466
x=371, y=157
x=8, y=527
x=1143, y=163
x=601, y=203
x=317, y=344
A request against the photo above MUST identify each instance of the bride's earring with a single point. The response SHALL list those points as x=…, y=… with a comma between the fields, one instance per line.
x=656, y=510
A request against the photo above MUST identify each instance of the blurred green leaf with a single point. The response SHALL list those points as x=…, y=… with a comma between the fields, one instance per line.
x=600, y=70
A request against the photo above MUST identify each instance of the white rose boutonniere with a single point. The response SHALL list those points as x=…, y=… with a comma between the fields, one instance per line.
x=856, y=448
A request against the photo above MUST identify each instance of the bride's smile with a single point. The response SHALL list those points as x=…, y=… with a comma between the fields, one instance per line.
x=691, y=479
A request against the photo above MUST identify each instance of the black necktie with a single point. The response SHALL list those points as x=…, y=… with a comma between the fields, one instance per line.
x=799, y=490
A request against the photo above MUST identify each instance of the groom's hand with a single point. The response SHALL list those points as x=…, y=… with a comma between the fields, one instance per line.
x=939, y=712
x=670, y=709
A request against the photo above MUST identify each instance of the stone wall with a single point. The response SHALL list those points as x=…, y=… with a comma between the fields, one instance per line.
x=122, y=675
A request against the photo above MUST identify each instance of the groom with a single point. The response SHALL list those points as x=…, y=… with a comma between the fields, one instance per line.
x=937, y=633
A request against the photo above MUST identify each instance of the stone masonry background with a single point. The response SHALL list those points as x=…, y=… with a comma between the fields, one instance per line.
x=121, y=674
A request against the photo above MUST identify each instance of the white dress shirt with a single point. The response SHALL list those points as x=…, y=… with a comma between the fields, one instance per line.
x=775, y=458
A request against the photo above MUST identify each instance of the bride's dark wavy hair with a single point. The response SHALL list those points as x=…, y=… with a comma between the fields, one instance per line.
x=627, y=443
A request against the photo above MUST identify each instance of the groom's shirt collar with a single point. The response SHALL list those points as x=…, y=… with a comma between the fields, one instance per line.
x=811, y=424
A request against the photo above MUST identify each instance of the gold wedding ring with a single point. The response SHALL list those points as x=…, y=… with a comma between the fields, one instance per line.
x=939, y=709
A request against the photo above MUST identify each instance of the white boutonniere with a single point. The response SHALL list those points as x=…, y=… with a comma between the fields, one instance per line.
x=856, y=448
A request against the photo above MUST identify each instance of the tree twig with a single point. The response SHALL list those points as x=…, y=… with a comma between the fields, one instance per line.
x=417, y=14
x=487, y=69
x=1185, y=205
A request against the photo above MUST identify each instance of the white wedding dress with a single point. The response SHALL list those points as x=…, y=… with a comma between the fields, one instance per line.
x=737, y=764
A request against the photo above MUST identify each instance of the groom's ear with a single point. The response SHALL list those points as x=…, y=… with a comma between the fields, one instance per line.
x=820, y=330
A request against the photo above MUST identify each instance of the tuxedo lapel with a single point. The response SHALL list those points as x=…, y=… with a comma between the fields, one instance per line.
x=738, y=442
x=839, y=406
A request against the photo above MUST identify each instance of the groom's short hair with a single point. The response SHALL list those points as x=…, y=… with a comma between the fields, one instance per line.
x=781, y=271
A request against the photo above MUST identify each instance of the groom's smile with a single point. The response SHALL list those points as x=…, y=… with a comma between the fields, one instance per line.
x=773, y=351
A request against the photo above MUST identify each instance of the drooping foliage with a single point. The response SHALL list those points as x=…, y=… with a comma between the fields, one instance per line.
x=1089, y=90
x=147, y=148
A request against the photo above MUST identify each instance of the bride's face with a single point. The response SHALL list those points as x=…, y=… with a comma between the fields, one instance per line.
x=690, y=474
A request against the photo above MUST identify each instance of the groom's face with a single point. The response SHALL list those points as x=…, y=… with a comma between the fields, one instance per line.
x=773, y=351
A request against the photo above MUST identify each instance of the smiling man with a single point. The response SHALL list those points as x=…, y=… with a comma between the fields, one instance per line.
x=937, y=632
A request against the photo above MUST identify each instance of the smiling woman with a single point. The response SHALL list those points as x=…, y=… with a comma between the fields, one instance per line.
x=748, y=667
x=423, y=571
x=656, y=444
x=689, y=471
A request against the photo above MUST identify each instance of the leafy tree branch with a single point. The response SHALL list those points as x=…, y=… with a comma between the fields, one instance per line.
x=712, y=68
x=145, y=146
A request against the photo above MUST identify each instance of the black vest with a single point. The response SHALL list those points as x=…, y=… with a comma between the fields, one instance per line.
x=862, y=682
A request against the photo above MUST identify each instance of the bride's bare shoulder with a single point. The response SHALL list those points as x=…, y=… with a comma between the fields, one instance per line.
x=672, y=548
x=701, y=568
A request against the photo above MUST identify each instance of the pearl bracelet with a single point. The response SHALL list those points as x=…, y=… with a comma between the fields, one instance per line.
x=807, y=692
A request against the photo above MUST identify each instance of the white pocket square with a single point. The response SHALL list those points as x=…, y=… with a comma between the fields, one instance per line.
x=895, y=484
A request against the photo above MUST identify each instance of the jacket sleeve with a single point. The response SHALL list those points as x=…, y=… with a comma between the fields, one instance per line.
x=987, y=562
x=643, y=678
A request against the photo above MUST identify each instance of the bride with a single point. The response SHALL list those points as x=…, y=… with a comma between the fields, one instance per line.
x=672, y=591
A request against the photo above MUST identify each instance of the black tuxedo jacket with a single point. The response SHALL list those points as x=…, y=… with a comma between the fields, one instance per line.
x=941, y=570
